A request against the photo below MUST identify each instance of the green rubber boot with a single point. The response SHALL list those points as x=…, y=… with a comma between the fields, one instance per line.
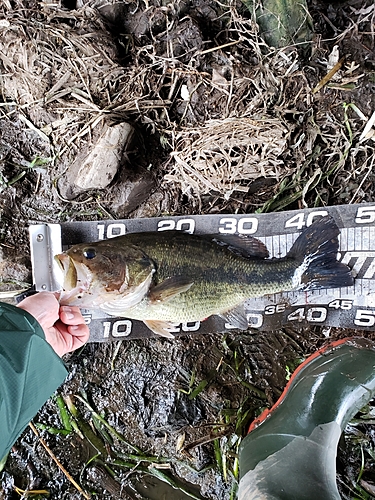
x=290, y=451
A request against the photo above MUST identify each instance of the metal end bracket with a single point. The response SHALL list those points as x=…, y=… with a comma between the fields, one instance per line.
x=45, y=243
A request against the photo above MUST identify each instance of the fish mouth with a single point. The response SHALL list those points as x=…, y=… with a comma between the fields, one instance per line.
x=76, y=280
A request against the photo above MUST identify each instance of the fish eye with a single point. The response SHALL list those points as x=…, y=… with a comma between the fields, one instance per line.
x=89, y=253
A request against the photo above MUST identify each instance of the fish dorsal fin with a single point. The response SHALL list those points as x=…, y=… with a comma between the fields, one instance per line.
x=169, y=288
x=243, y=245
x=236, y=317
x=160, y=328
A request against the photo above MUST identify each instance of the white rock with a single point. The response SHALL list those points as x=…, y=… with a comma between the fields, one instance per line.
x=101, y=164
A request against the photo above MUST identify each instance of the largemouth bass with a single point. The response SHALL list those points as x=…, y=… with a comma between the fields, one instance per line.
x=163, y=278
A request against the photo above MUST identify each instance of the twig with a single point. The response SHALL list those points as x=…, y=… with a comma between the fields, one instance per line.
x=219, y=47
x=206, y=439
x=27, y=122
x=11, y=293
x=329, y=75
x=369, y=171
x=367, y=128
x=61, y=467
x=26, y=493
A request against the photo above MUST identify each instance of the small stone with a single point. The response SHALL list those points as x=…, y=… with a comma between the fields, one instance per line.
x=96, y=167
x=101, y=165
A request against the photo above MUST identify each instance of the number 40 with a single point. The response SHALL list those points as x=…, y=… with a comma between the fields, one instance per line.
x=298, y=221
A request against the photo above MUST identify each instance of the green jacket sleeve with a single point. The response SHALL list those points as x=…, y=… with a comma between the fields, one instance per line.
x=30, y=371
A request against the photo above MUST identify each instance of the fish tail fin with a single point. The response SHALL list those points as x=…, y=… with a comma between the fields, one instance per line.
x=316, y=252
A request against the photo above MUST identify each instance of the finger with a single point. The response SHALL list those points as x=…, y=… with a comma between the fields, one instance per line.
x=67, y=338
x=80, y=332
x=71, y=315
x=77, y=336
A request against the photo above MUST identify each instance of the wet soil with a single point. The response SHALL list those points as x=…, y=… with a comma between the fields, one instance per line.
x=183, y=404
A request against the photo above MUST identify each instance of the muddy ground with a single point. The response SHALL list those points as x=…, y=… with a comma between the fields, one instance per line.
x=184, y=75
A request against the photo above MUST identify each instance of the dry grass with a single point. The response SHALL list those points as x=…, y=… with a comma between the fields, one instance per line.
x=222, y=156
x=61, y=78
x=228, y=114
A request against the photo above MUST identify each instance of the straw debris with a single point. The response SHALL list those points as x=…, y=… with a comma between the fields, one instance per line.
x=62, y=80
x=226, y=112
x=222, y=156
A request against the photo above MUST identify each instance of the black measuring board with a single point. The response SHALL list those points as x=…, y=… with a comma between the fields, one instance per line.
x=348, y=307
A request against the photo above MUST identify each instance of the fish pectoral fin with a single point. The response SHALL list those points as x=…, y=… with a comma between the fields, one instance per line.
x=236, y=317
x=160, y=328
x=169, y=288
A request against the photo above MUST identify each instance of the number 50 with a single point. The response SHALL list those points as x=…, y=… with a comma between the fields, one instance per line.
x=363, y=317
x=365, y=215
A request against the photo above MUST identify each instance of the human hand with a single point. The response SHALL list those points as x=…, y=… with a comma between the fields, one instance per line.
x=63, y=326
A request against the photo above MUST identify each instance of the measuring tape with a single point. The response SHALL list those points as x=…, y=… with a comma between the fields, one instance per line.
x=348, y=307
